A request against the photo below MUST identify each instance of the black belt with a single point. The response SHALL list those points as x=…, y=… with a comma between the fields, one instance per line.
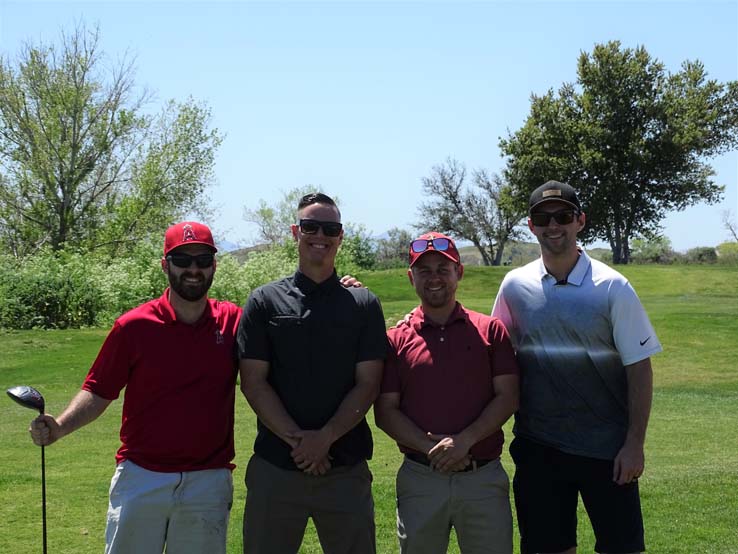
x=474, y=464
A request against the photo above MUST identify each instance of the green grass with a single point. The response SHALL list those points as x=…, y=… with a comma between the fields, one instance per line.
x=689, y=489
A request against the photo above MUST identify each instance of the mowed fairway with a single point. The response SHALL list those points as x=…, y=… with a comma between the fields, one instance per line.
x=689, y=489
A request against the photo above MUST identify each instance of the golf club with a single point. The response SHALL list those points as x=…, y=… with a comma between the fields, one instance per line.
x=28, y=397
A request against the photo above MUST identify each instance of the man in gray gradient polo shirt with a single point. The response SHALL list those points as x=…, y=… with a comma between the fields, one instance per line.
x=584, y=344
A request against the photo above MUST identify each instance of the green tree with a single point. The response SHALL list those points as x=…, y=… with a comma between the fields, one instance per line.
x=393, y=250
x=485, y=214
x=727, y=253
x=78, y=155
x=657, y=250
x=701, y=255
x=357, y=250
x=169, y=176
x=273, y=222
x=631, y=137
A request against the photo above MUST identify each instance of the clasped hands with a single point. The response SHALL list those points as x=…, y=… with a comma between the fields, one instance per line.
x=449, y=453
x=310, y=450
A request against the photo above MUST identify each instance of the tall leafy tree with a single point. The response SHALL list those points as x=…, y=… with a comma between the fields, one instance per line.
x=167, y=177
x=631, y=137
x=485, y=213
x=78, y=156
x=392, y=250
x=273, y=221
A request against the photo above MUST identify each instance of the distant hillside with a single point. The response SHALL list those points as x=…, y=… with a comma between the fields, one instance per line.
x=243, y=253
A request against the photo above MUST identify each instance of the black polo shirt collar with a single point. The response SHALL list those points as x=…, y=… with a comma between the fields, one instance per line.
x=307, y=286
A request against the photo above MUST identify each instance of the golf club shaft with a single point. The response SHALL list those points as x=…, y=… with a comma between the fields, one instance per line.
x=43, y=493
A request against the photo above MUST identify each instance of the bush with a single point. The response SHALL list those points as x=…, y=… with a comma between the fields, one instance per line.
x=47, y=290
x=126, y=282
x=701, y=255
x=727, y=253
x=357, y=251
x=61, y=290
x=654, y=251
x=234, y=282
x=391, y=263
x=57, y=290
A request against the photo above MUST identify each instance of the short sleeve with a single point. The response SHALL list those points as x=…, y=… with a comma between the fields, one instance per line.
x=252, y=337
x=391, y=375
x=634, y=337
x=501, y=353
x=109, y=372
x=501, y=311
x=373, y=340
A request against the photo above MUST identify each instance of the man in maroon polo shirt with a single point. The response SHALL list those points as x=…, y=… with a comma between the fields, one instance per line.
x=449, y=384
x=175, y=356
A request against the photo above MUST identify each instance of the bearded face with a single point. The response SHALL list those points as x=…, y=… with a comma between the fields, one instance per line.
x=192, y=282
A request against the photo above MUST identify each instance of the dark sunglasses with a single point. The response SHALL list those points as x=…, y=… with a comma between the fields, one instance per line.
x=185, y=260
x=421, y=245
x=562, y=217
x=311, y=226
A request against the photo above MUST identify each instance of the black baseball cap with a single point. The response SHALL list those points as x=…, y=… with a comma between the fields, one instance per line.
x=553, y=190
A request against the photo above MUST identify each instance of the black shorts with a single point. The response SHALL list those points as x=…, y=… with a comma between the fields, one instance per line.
x=547, y=483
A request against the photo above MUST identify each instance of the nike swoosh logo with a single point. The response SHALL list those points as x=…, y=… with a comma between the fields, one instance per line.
x=644, y=341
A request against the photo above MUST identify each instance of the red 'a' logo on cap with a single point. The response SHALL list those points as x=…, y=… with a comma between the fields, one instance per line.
x=188, y=233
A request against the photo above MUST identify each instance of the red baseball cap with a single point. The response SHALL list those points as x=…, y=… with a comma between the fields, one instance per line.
x=433, y=242
x=187, y=232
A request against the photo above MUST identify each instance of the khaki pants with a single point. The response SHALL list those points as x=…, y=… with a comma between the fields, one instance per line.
x=187, y=511
x=475, y=503
x=279, y=503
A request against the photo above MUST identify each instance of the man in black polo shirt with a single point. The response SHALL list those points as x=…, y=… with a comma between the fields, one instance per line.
x=311, y=363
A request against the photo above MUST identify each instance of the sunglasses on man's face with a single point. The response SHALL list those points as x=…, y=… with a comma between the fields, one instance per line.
x=311, y=226
x=421, y=245
x=562, y=217
x=185, y=260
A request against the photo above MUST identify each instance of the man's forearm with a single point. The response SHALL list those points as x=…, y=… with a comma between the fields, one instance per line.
x=401, y=428
x=493, y=417
x=269, y=408
x=352, y=410
x=84, y=408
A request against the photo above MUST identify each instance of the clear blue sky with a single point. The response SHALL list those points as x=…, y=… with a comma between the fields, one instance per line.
x=363, y=98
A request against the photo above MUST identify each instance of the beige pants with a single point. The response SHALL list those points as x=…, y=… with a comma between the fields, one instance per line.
x=188, y=512
x=475, y=503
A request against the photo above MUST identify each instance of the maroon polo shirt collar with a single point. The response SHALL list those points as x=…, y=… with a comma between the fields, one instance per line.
x=419, y=320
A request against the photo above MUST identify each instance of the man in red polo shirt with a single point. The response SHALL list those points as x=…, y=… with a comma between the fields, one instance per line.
x=175, y=356
x=450, y=383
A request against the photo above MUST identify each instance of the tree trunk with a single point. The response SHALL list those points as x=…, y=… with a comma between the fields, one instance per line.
x=625, y=258
x=483, y=252
x=498, y=254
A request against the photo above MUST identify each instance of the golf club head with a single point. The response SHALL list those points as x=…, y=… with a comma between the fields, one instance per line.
x=28, y=397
